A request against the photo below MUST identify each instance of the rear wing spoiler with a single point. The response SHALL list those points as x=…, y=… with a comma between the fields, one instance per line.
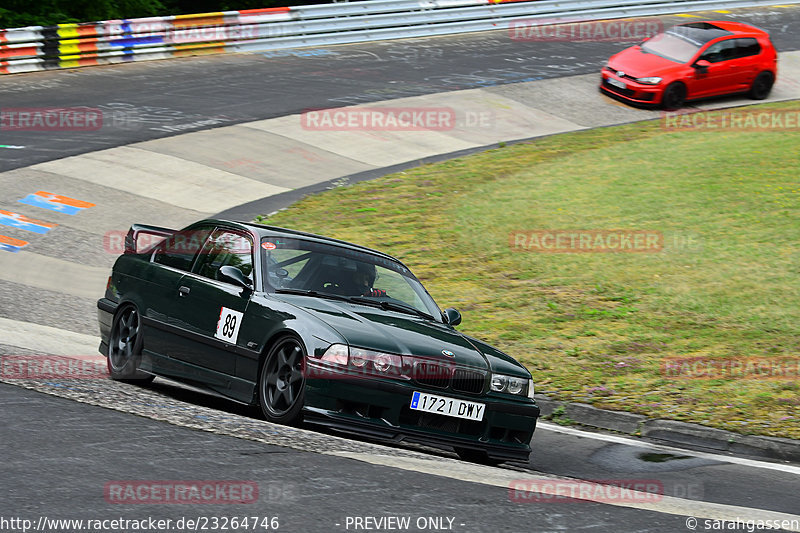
x=141, y=238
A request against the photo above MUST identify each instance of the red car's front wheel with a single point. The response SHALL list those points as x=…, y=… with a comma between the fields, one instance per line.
x=674, y=95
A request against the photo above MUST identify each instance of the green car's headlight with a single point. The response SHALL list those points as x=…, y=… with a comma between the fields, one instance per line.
x=510, y=384
x=336, y=354
x=363, y=360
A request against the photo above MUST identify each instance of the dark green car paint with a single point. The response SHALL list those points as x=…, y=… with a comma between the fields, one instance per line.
x=180, y=311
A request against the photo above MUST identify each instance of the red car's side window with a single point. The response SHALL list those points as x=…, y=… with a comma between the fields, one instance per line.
x=747, y=47
x=721, y=51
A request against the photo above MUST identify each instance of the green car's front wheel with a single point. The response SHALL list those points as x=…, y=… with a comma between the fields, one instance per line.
x=281, y=385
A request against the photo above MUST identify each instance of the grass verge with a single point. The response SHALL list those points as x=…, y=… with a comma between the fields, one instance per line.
x=600, y=327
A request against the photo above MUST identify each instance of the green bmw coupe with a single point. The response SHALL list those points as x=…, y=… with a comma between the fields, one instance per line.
x=311, y=328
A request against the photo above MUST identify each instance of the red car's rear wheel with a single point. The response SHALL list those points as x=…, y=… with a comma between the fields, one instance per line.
x=762, y=85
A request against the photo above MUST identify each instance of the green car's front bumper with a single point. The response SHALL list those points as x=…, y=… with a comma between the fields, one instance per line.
x=381, y=408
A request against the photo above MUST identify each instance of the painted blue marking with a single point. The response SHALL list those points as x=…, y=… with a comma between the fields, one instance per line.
x=9, y=248
x=38, y=201
x=415, y=400
x=6, y=220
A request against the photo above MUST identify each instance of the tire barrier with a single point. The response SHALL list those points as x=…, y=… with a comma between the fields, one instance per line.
x=116, y=41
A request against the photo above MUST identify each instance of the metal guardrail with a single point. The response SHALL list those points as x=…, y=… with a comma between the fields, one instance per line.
x=116, y=41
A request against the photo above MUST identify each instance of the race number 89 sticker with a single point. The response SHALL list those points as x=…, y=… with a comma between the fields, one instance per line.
x=228, y=325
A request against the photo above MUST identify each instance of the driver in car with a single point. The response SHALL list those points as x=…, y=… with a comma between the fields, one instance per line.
x=364, y=278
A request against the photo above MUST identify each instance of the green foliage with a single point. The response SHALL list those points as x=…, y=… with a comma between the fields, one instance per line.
x=19, y=13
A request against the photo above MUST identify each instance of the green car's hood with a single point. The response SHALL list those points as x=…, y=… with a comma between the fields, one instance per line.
x=392, y=332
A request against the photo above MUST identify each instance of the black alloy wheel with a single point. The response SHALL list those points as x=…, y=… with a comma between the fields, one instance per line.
x=281, y=387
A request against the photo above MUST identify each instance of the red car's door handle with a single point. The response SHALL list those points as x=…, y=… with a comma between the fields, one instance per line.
x=183, y=291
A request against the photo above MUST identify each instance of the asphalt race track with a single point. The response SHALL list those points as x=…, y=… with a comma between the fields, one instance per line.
x=161, y=98
x=63, y=443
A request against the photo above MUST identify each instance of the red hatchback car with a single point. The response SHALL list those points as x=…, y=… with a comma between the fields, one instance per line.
x=691, y=61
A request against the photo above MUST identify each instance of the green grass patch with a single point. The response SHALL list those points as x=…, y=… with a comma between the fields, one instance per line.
x=596, y=327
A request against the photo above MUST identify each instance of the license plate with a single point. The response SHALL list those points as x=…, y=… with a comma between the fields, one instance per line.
x=442, y=405
x=616, y=83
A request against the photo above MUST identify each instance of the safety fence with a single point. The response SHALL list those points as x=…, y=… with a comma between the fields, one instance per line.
x=115, y=41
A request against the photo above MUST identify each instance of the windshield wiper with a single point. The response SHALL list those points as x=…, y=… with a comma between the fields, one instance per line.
x=391, y=306
x=315, y=294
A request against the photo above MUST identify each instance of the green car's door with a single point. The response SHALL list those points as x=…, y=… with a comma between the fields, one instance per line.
x=213, y=310
x=160, y=293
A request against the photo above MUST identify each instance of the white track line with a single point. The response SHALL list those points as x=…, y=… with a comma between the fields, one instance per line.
x=499, y=477
x=789, y=469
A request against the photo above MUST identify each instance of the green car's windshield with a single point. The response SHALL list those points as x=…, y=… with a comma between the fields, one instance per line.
x=319, y=269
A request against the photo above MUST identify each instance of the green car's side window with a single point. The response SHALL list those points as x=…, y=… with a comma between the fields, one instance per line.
x=179, y=250
x=225, y=248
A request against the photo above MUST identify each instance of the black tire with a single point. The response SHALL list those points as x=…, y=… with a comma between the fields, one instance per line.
x=674, y=96
x=762, y=85
x=125, y=347
x=281, y=385
x=476, y=456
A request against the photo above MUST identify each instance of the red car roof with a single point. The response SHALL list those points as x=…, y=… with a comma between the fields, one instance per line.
x=738, y=28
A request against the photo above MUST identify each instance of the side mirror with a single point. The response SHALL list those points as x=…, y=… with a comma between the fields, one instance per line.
x=702, y=66
x=231, y=274
x=452, y=316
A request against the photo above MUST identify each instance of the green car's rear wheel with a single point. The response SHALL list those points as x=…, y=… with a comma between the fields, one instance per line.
x=125, y=347
x=281, y=385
